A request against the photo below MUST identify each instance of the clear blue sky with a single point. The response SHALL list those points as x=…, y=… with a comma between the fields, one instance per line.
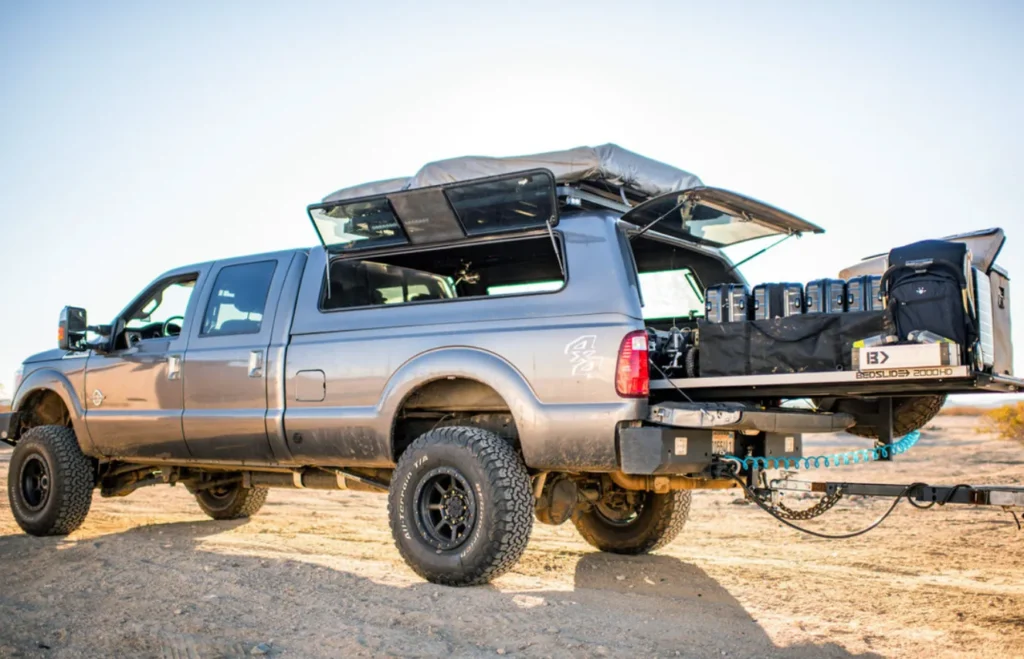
x=136, y=137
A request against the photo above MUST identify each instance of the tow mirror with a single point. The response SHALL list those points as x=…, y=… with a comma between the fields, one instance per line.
x=71, y=328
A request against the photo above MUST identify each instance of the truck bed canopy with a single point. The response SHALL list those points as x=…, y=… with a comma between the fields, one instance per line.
x=608, y=165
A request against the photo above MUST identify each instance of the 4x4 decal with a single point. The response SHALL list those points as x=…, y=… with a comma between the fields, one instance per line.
x=583, y=357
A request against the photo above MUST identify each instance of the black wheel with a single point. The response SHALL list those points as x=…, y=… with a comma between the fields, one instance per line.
x=460, y=506
x=908, y=414
x=50, y=481
x=231, y=501
x=633, y=522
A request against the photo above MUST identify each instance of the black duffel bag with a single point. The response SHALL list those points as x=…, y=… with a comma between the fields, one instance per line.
x=926, y=286
x=795, y=344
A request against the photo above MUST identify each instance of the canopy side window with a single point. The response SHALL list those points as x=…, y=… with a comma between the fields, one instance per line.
x=489, y=268
x=505, y=204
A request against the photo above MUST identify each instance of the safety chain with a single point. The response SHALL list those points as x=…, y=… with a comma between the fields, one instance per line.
x=823, y=505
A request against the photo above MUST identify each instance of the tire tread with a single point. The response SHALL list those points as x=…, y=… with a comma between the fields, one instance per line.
x=77, y=474
x=908, y=414
x=513, y=501
x=247, y=502
x=666, y=526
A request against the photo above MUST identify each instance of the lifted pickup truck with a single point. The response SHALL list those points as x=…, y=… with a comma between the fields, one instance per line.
x=481, y=349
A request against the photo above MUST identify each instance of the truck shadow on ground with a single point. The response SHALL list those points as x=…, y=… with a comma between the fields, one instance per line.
x=165, y=591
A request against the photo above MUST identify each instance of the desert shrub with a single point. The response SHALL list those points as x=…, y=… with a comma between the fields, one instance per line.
x=963, y=410
x=1007, y=422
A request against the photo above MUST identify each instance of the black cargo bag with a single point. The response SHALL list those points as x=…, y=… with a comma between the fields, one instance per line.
x=795, y=344
x=925, y=285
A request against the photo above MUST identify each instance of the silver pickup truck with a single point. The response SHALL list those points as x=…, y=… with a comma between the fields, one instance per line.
x=485, y=350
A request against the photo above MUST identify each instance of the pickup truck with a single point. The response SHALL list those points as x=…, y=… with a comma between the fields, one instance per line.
x=486, y=351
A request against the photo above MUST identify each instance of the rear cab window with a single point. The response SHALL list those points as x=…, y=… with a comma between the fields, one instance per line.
x=671, y=294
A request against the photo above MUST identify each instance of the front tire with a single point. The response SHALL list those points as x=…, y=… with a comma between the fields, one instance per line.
x=460, y=506
x=50, y=482
x=231, y=501
x=647, y=522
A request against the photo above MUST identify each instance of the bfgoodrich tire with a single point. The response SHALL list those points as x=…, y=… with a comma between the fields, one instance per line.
x=50, y=481
x=460, y=506
x=231, y=501
x=651, y=523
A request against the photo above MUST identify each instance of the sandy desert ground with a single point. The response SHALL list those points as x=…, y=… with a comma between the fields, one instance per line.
x=316, y=575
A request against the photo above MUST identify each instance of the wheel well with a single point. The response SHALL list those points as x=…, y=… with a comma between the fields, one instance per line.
x=448, y=402
x=43, y=408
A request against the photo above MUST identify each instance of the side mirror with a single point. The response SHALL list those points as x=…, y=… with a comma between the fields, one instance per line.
x=71, y=328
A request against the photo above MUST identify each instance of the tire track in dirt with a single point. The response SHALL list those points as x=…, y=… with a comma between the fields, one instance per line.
x=316, y=575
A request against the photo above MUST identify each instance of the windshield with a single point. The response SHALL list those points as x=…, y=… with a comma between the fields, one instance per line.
x=671, y=294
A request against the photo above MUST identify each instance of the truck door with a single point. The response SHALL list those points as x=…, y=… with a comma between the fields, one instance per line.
x=225, y=368
x=133, y=393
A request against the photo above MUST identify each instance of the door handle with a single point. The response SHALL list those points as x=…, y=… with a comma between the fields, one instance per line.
x=255, y=363
x=173, y=367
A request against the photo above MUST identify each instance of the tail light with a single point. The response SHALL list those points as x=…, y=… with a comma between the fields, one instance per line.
x=632, y=378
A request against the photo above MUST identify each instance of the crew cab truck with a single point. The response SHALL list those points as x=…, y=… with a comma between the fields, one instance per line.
x=483, y=350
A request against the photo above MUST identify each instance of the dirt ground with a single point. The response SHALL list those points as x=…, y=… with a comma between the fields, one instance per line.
x=315, y=574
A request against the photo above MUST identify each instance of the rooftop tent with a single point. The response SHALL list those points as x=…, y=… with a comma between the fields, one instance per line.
x=608, y=165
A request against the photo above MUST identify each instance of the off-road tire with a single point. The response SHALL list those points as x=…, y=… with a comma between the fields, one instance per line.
x=659, y=522
x=908, y=414
x=236, y=502
x=62, y=505
x=499, y=486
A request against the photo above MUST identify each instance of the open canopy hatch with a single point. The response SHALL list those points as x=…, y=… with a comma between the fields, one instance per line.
x=500, y=204
x=715, y=217
x=985, y=246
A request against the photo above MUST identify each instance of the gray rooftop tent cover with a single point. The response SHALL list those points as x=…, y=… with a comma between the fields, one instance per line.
x=607, y=163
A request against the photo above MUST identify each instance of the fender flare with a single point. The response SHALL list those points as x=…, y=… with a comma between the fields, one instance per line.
x=470, y=364
x=50, y=379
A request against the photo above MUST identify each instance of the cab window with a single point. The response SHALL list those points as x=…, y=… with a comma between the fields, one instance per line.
x=161, y=313
x=239, y=299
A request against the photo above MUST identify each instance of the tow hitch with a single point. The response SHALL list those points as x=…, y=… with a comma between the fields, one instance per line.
x=749, y=474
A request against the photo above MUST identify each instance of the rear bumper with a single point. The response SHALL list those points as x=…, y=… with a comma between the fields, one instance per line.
x=661, y=449
x=8, y=426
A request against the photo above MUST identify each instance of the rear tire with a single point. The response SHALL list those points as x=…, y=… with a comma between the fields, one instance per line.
x=50, y=482
x=460, y=506
x=232, y=501
x=654, y=521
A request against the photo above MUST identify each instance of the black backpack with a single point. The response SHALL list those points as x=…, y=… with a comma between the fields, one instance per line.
x=927, y=286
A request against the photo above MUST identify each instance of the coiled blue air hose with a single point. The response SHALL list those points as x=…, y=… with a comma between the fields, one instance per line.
x=862, y=456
